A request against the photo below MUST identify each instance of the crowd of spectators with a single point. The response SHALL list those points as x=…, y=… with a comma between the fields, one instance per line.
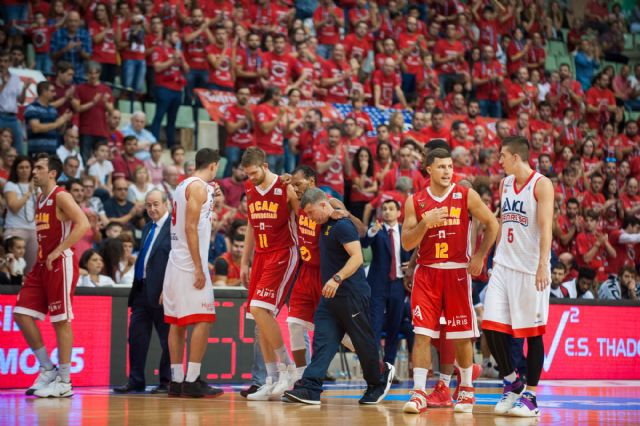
x=447, y=63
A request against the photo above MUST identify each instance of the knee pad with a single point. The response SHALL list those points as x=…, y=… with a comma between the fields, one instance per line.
x=296, y=336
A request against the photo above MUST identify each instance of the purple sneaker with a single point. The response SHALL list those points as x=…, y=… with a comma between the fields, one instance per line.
x=525, y=406
x=510, y=395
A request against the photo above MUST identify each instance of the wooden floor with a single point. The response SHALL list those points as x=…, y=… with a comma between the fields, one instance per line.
x=562, y=403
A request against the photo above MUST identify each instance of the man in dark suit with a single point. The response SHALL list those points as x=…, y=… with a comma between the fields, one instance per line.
x=144, y=299
x=385, y=278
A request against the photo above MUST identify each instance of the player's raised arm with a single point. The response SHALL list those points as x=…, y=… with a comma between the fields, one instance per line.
x=70, y=211
x=544, y=194
x=483, y=215
x=196, y=196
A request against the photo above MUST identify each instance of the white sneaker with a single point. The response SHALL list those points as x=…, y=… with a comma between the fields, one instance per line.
x=506, y=402
x=489, y=372
x=417, y=404
x=263, y=393
x=285, y=381
x=525, y=406
x=43, y=380
x=56, y=389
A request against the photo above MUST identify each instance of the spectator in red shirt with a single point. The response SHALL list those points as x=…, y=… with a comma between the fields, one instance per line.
x=92, y=101
x=327, y=19
x=364, y=12
x=593, y=199
x=536, y=55
x=270, y=123
x=220, y=60
x=279, y=64
x=233, y=186
x=437, y=130
x=522, y=96
x=517, y=52
x=405, y=167
x=566, y=94
x=116, y=138
x=400, y=193
x=364, y=186
x=312, y=137
x=102, y=30
x=64, y=87
x=151, y=41
x=412, y=45
x=600, y=103
x=249, y=65
x=460, y=137
x=332, y=164
x=197, y=37
x=386, y=87
x=239, y=123
x=488, y=25
x=630, y=199
x=125, y=165
x=416, y=134
x=566, y=227
x=170, y=67
x=336, y=77
x=487, y=79
x=625, y=241
x=41, y=34
x=594, y=248
x=449, y=58
x=359, y=44
x=130, y=41
x=307, y=72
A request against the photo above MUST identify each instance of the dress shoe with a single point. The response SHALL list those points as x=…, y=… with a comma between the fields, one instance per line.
x=161, y=388
x=128, y=388
x=209, y=391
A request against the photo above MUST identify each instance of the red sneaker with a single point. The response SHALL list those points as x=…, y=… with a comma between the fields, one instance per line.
x=465, y=401
x=417, y=404
x=440, y=397
x=477, y=370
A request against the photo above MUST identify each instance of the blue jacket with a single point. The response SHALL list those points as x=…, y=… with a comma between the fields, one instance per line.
x=381, y=261
x=156, y=264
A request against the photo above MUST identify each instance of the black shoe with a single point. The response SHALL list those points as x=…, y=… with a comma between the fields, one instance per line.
x=192, y=389
x=209, y=391
x=302, y=395
x=248, y=391
x=395, y=381
x=161, y=388
x=329, y=378
x=376, y=393
x=128, y=388
x=175, y=389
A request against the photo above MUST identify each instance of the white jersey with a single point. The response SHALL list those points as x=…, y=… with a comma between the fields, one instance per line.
x=519, y=245
x=180, y=256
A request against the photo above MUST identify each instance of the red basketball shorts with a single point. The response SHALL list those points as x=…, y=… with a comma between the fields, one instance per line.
x=305, y=296
x=49, y=291
x=271, y=278
x=445, y=292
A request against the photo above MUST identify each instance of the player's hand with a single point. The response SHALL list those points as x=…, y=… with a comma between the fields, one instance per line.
x=542, y=277
x=52, y=257
x=475, y=265
x=286, y=178
x=339, y=214
x=200, y=280
x=244, y=275
x=330, y=288
x=435, y=216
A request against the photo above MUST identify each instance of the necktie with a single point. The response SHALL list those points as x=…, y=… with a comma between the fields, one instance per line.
x=139, y=272
x=394, y=267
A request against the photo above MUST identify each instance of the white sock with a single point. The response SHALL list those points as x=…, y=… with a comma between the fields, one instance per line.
x=446, y=378
x=511, y=377
x=272, y=370
x=193, y=371
x=64, y=371
x=420, y=378
x=43, y=358
x=177, y=373
x=283, y=355
x=466, y=375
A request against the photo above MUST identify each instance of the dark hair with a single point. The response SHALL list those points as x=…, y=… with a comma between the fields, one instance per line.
x=605, y=189
x=205, y=157
x=88, y=254
x=112, y=251
x=100, y=143
x=560, y=265
x=392, y=201
x=307, y=172
x=176, y=148
x=53, y=163
x=585, y=272
x=517, y=145
x=237, y=238
x=69, y=184
x=13, y=173
x=233, y=228
x=437, y=143
x=10, y=242
x=42, y=87
x=113, y=225
x=591, y=214
x=378, y=149
x=253, y=156
x=356, y=162
x=436, y=153
x=129, y=138
x=63, y=66
x=268, y=94
x=437, y=111
x=630, y=220
x=71, y=158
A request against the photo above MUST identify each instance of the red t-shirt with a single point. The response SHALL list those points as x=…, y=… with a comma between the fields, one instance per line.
x=327, y=34
x=339, y=92
x=446, y=48
x=249, y=61
x=334, y=176
x=584, y=243
x=564, y=99
x=105, y=51
x=280, y=69
x=357, y=196
x=308, y=142
x=489, y=32
x=592, y=201
x=491, y=89
x=41, y=38
x=270, y=142
x=94, y=120
x=151, y=41
x=431, y=133
x=195, y=52
x=514, y=49
x=389, y=182
x=387, y=84
x=357, y=48
x=601, y=99
x=244, y=136
x=222, y=76
x=171, y=78
x=514, y=91
x=413, y=60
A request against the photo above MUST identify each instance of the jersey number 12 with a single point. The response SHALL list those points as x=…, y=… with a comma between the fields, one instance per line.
x=442, y=251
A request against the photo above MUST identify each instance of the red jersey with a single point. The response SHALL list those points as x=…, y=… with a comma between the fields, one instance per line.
x=105, y=51
x=151, y=41
x=41, y=37
x=270, y=217
x=334, y=176
x=308, y=237
x=222, y=75
x=243, y=137
x=601, y=99
x=195, y=51
x=387, y=84
x=489, y=32
x=514, y=91
x=358, y=48
x=564, y=223
x=445, y=48
x=308, y=142
x=280, y=69
x=51, y=231
x=384, y=196
x=270, y=142
x=431, y=133
x=449, y=242
x=233, y=269
x=514, y=49
x=172, y=77
x=327, y=34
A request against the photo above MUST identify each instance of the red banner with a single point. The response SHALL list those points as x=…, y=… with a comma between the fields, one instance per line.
x=592, y=342
x=90, y=356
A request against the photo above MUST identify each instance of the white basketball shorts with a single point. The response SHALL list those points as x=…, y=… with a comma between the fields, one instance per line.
x=513, y=305
x=183, y=303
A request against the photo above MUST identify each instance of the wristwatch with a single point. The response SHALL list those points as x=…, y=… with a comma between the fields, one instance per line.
x=337, y=278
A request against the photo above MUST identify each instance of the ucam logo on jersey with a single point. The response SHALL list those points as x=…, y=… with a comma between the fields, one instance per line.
x=592, y=342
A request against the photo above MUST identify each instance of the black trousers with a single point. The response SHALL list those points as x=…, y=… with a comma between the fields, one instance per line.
x=143, y=319
x=333, y=318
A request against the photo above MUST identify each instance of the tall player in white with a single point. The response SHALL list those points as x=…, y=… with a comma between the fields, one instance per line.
x=187, y=289
x=517, y=299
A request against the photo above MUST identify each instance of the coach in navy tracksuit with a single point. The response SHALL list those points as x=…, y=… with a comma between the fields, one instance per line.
x=343, y=308
x=385, y=278
x=144, y=299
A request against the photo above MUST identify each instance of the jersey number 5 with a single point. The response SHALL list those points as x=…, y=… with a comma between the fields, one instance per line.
x=262, y=241
x=510, y=235
x=442, y=251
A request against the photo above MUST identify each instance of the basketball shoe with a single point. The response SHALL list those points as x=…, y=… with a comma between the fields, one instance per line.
x=43, y=380
x=477, y=370
x=510, y=395
x=55, y=389
x=286, y=379
x=440, y=397
x=417, y=404
x=376, y=393
x=525, y=406
x=303, y=395
x=264, y=392
x=465, y=401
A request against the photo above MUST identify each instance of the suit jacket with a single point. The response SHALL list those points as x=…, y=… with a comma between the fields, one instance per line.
x=381, y=261
x=156, y=264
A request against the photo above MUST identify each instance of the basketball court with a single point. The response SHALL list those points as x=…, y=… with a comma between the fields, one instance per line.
x=561, y=402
